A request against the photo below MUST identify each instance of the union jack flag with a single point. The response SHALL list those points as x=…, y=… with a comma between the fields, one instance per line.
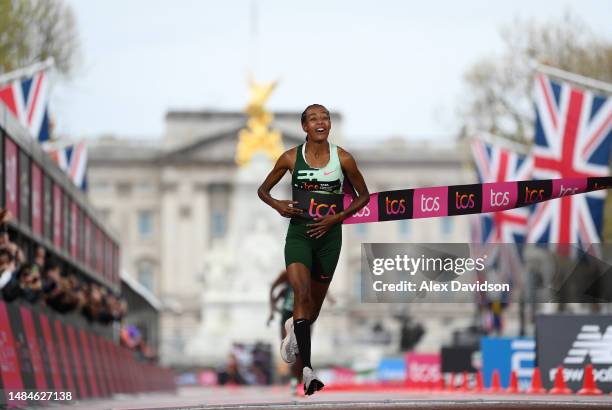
x=27, y=99
x=495, y=163
x=72, y=159
x=499, y=164
x=573, y=133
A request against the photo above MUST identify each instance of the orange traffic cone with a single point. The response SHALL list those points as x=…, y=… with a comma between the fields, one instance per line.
x=440, y=385
x=536, y=383
x=495, y=384
x=479, y=386
x=589, y=387
x=559, y=386
x=513, y=387
x=451, y=383
x=465, y=383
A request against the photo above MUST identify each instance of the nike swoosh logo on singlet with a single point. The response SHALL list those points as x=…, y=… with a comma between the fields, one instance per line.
x=330, y=172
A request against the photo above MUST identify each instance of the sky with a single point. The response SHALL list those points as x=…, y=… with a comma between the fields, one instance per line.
x=391, y=68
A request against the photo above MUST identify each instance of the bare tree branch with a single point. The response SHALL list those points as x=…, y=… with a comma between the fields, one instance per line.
x=33, y=30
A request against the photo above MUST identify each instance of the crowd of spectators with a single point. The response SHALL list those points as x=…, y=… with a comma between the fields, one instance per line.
x=43, y=281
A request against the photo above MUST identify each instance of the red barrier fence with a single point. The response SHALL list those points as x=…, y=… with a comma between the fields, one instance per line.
x=41, y=352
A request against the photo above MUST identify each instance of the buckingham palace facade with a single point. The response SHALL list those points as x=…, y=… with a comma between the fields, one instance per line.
x=169, y=199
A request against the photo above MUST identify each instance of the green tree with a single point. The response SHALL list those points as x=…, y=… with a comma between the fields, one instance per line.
x=499, y=88
x=34, y=30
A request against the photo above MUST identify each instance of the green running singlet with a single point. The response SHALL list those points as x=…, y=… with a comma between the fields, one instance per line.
x=319, y=255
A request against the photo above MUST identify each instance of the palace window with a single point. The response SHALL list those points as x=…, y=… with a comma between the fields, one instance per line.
x=145, y=224
x=146, y=275
x=219, y=204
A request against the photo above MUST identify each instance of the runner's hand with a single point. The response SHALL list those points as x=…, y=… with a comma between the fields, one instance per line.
x=286, y=209
x=322, y=225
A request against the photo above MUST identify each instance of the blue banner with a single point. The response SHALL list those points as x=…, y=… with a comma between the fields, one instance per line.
x=506, y=354
x=392, y=370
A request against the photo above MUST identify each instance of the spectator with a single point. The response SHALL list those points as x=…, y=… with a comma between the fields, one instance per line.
x=74, y=297
x=130, y=336
x=80, y=290
x=105, y=316
x=7, y=267
x=30, y=282
x=55, y=288
x=6, y=243
x=5, y=216
x=231, y=375
x=12, y=289
x=66, y=298
x=23, y=283
x=119, y=308
x=39, y=256
x=94, y=304
x=113, y=307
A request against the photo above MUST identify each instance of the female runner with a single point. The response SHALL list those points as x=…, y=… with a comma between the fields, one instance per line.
x=312, y=247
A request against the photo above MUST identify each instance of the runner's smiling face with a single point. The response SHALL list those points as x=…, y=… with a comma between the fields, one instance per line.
x=317, y=124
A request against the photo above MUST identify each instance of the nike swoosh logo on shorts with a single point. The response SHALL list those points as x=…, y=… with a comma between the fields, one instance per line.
x=330, y=172
x=324, y=277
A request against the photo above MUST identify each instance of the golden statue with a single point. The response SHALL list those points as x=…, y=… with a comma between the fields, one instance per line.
x=257, y=136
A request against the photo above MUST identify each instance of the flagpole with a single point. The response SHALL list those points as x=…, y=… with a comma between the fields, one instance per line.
x=23, y=72
x=576, y=78
x=254, y=37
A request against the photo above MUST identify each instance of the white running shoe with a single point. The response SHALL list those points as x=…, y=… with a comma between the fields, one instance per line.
x=294, y=345
x=311, y=381
x=288, y=347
